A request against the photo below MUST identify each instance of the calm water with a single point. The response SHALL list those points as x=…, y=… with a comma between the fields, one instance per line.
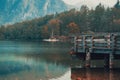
x=44, y=61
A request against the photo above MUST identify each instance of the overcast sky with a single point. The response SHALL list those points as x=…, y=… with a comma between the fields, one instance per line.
x=91, y=3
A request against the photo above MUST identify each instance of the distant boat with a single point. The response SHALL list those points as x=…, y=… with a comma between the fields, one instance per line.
x=51, y=39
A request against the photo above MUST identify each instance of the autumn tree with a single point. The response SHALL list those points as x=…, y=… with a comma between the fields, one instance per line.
x=54, y=26
x=73, y=28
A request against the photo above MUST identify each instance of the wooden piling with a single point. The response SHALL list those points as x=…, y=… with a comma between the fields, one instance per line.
x=106, y=61
x=111, y=61
x=111, y=57
x=75, y=44
x=87, y=62
x=84, y=43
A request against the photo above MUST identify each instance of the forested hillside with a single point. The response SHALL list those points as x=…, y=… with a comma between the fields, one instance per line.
x=66, y=23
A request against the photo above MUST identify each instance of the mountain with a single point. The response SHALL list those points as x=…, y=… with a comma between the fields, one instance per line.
x=12, y=11
x=117, y=5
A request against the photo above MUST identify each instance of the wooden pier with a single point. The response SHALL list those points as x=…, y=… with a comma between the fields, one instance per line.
x=97, y=47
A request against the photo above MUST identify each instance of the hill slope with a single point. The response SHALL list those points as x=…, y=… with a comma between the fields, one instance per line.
x=12, y=11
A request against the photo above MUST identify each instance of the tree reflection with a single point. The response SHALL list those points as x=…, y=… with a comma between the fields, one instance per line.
x=94, y=74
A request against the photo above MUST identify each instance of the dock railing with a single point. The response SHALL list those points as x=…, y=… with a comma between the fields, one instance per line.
x=104, y=46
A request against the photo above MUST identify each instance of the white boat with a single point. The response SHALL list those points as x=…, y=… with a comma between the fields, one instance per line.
x=51, y=39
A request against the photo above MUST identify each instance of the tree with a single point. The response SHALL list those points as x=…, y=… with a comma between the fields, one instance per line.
x=98, y=16
x=84, y=19
x=54, y=26
x=73, y=28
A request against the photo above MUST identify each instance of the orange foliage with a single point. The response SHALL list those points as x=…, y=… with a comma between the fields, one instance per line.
x=54, y=22
x=73, y=28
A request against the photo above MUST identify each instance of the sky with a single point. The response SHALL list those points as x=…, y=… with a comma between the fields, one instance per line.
x=91, y=3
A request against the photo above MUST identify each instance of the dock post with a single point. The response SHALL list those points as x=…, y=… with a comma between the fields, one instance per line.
x=84, y=43
x=87, y=62
x=106, y=61
x=111, y=62
x=75, y=44
x=111, y=56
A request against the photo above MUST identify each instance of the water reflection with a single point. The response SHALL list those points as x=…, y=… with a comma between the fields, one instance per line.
x=18, y=47
x=94, y=74
x=45, y=61
x=11, y=66
x=33, y=61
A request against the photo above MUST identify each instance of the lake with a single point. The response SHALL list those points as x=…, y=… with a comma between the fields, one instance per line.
x=34, y=60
